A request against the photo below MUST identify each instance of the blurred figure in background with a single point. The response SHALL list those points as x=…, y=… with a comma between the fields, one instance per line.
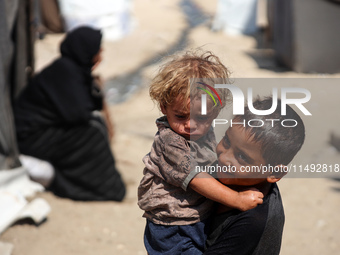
x=55, y=121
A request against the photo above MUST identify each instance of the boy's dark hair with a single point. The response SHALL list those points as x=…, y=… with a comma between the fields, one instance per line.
x=279, y=144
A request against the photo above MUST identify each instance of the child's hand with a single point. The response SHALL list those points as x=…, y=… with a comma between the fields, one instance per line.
x=249, y=199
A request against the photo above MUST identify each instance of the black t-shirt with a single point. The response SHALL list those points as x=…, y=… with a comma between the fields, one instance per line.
x=256, y=231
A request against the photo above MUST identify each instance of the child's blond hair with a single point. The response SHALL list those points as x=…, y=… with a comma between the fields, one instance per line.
x=173, y=78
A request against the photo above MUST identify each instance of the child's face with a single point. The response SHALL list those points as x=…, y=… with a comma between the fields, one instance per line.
x=237, y=149
x=191, y=125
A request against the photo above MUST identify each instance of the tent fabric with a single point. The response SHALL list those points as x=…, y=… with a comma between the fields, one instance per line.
x=8, y=148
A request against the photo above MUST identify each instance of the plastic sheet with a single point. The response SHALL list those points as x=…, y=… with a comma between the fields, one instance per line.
x=113, y=17
x=236, y=16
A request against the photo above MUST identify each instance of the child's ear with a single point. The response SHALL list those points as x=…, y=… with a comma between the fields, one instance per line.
x=216, y=113
x=277, y=175
x=163, y=109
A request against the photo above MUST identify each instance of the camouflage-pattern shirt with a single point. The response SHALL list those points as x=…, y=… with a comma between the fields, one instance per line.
x=163, y=192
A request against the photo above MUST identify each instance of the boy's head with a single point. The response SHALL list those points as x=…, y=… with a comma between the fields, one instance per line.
x=261, y=148
x=172, y=90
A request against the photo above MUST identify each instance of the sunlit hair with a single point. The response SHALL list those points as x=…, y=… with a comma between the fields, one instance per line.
x=174, y=77
x=279, y=144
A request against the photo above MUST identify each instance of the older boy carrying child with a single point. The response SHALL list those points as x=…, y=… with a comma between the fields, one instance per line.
x=175, y=200
x=270, y=146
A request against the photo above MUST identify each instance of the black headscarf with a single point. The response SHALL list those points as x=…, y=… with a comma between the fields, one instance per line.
x=81, y=45
x=62, y=93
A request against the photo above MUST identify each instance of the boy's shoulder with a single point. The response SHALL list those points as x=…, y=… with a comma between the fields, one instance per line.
x=264, y=222
x=166, y=134
x=167, y=138
x=162, y=123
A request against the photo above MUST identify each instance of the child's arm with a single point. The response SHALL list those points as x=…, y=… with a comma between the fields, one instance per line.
x=209, y=187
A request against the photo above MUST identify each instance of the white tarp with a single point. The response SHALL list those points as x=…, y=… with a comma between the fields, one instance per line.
x=236, y=16
x=15, y=186
x=113, y=17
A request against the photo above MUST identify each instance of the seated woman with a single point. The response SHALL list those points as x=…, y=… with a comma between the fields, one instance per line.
x=55, y=121
x=255, y=157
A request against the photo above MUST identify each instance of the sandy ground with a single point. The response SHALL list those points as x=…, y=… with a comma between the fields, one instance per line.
x=311, y=205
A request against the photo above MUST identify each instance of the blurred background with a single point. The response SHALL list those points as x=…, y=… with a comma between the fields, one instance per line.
x=253, y=38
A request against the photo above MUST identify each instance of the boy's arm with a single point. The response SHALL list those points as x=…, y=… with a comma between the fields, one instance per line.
x=209, y=187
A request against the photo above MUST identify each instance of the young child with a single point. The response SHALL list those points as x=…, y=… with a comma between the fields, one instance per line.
x=175, y=200
x=258, y=156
